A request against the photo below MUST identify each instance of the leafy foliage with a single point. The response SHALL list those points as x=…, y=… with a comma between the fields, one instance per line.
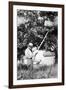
x=31, y=28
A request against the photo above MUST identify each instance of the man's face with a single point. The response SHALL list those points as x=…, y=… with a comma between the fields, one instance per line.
x=30, y=47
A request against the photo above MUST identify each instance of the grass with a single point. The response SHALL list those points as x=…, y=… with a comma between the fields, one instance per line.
x=26, y=72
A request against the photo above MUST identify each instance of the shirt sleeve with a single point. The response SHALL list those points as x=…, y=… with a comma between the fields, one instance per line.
x=28, y=53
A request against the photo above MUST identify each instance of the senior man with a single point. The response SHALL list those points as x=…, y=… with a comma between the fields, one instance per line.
x=28, y=54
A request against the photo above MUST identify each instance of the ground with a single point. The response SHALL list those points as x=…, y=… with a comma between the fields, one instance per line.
x=37, y=73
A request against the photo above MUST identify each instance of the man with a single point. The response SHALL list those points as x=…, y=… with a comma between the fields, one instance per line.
x=28, y=54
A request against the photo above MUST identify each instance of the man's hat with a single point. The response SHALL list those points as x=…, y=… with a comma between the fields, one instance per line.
x=30, y=44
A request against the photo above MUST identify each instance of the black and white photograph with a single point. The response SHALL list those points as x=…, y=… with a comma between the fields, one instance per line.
x=36, y=44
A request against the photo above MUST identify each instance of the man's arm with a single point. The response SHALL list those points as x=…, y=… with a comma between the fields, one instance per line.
x=28, y=53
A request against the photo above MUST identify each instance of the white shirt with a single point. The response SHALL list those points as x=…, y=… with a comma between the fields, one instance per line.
x=28, y=53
